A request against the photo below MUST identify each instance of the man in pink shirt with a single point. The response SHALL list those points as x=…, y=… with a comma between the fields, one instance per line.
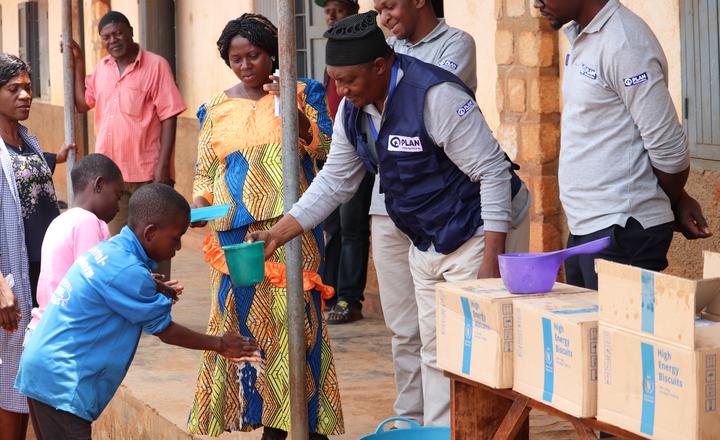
x=136, y=104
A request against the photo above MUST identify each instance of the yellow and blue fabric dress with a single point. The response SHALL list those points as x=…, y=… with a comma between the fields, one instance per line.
x=239, y=163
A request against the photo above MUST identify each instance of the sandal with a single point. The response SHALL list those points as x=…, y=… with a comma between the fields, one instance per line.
x=344, y=313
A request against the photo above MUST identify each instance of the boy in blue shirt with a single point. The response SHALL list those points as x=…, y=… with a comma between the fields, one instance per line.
x=81, y=350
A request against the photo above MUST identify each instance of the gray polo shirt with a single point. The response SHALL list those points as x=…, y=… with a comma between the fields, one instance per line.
x=618, y=122
x=466, y=139
x=446, y=47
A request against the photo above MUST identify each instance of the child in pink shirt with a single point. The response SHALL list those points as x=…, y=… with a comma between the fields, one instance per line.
x=98, y=185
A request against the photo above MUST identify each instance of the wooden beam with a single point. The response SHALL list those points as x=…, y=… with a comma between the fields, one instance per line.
x=515, y=420
x=584, y=433
x=479, y=412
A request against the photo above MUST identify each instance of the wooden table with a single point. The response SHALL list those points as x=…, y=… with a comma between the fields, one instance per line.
x=480, y=412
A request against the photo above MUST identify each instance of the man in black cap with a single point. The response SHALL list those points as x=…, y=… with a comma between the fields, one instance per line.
x=419, y=127
x=419, y=33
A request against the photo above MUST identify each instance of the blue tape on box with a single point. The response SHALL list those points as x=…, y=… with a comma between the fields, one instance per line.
x=549, y=364
x=647, y=418
x=468, y=334
x=647, y=313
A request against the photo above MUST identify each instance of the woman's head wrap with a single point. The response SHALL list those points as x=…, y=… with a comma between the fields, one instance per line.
x=257, y=29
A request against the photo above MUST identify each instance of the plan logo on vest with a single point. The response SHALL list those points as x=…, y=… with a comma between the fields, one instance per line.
x=635, y=80
x=404, y=144
x=448, y=63
x=588, y=72
x=465, y=109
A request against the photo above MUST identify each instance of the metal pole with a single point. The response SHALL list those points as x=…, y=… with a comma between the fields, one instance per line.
x=291, y=177
x=68, y=90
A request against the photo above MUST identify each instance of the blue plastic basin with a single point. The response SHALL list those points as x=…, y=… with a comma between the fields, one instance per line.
x=413, y=432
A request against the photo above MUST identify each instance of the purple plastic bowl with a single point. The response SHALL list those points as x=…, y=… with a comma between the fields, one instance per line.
x=536, y=273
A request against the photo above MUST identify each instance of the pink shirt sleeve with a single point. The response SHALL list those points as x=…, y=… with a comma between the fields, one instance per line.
x=90, y=89
x=87, y=234
x=166, y=96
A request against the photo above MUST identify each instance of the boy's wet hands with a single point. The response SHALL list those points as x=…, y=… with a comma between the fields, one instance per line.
x=171, y=289
x=239, y=348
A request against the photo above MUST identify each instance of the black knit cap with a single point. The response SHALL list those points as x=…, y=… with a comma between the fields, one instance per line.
x=113, y=17
x=354, y=40
x=352, y=3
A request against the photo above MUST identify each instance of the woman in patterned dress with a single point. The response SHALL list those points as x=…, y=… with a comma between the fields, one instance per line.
x=27, y=199
x=239, y=163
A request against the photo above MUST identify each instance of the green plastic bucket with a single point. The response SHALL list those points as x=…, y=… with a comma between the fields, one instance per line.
x=246, y=263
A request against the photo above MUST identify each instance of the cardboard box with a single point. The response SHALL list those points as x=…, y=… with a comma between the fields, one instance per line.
x=711, y=264
x=555, y=358
x=656, y=304
x=475, y=329
x=658, y=389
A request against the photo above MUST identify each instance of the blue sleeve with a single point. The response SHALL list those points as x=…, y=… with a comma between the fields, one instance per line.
x=317, y=99
x=132, y=294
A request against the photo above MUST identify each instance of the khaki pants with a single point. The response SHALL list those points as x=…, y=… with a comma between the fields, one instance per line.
x=121, y=219
x=407, y=278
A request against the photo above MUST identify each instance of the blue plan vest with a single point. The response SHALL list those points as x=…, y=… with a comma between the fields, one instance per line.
x=427, y=196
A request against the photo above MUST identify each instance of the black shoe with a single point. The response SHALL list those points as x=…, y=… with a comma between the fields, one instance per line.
x=344, y=312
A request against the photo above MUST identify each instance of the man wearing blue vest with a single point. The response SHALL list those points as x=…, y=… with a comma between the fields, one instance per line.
x=419, y=33
x=419, y=128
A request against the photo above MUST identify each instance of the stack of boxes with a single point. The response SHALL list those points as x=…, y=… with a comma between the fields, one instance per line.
x=636, y=354
x=658, y=363
x=475, y=329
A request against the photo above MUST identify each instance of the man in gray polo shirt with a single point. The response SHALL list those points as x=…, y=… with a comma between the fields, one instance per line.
x=419, y=33
x=624, y=156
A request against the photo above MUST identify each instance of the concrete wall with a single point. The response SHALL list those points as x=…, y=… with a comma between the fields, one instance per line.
x=10, y=35
x=479, y=19
x=201, y=72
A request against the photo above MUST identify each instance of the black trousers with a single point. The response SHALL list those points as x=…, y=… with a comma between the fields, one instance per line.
x=53, y=424
x=347, y=245
x=632, y=245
